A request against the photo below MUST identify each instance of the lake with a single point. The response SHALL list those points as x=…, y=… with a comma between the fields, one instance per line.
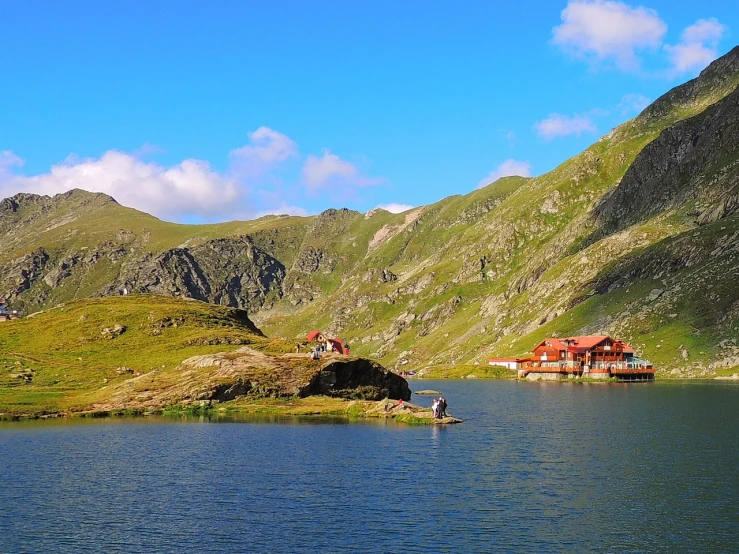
x=535, y=467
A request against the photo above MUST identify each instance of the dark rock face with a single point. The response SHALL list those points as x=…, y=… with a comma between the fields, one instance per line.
x=311, y=260
x=231, y=272
x=690, y=162
x=358, y=378
x=226, y=392
x=19, y=275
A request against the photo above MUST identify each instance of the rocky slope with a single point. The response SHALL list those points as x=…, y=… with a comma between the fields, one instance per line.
x=635, y=236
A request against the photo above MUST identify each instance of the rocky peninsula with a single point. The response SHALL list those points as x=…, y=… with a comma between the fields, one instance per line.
x=146, y=354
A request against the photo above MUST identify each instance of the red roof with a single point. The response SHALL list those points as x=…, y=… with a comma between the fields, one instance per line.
x=555, y=343
x=583, y=343
x=312, y=335
x=624, y=346
x=587, y=341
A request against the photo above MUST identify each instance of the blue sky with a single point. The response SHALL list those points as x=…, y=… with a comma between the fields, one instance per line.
x=197, y=111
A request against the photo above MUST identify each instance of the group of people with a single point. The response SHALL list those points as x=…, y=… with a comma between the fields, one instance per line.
x=438, y=408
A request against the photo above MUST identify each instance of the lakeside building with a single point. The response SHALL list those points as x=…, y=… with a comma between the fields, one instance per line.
x=508, y=363
x=595, y=357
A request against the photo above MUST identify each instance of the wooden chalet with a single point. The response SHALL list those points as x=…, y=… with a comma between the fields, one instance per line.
x=596, y=357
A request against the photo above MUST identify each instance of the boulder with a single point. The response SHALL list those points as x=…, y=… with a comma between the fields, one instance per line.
x=357, y=378
x=112, y=332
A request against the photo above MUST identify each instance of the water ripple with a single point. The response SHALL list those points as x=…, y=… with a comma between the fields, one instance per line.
x=536, y=467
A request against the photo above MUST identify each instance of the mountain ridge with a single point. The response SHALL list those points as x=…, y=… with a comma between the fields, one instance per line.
x=485, y=273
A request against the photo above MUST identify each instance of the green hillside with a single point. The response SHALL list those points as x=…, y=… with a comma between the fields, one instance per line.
x=69, y=356
x=637, y=236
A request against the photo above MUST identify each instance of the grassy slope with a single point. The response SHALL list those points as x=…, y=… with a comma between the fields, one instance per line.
x=546, y=242
x=70, y=360
x=401, y=253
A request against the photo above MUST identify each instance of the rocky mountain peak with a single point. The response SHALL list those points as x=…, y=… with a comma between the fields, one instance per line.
x=332, y=212
x=27, y=199
x=721, y=68
x=84, y=197
x=713, y=83
x=692, y=162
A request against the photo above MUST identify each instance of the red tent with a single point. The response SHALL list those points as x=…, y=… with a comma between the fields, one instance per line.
x=337, y=345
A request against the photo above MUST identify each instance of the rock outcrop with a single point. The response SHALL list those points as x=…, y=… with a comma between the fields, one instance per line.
x=249, y=373
x=233, y=272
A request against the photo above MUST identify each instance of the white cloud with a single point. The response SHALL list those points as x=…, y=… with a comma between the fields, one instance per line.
x=396, y=208
x=258, y=180
x=689, y=57
x=8, y=160
x=609, y=30
x=506, y=169
x=329, y=170
x=558, y=125
x=697, y=48
x=633, y=103
x=267, y=148
x=704, y=30
x=190, y=187
x=147, y=149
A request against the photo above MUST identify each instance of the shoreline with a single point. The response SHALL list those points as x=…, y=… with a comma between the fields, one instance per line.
x=310, y=407
x=319, y=406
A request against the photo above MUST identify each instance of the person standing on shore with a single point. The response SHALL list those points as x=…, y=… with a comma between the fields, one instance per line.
x=442, y=406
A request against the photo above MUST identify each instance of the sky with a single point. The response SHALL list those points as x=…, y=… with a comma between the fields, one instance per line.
x=213, y=111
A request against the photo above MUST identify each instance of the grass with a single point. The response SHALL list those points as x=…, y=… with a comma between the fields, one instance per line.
x=467, y=371
x=71, y=362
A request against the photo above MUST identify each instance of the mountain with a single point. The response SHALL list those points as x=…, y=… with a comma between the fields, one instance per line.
x=637, y=236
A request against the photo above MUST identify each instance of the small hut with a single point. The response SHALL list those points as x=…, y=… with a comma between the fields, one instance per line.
x=315, y=336
x=327, y=344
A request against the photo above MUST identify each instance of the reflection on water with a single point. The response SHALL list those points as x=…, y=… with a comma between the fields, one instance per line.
x=535, y=467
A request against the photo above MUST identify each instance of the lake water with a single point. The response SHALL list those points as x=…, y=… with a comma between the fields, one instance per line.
x=536, y=467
